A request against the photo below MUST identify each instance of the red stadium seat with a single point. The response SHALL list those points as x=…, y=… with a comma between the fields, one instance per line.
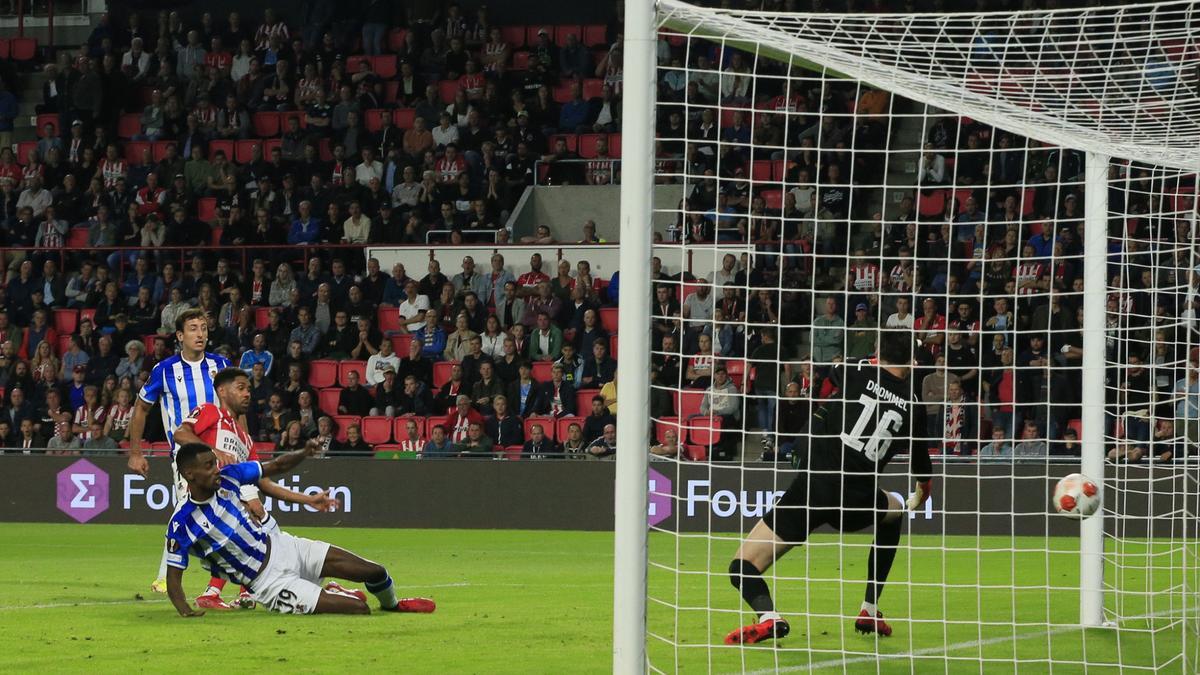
x=374, y=119
x=270, y=145
x=133, y=151
x=662, y=426
x=588, y=144
x=148, y=342
x=614, y=145
x=441, y=372
x=388, y=320
x=696, y=453
x=608, y=319
x=760, y=170
x=344, y=369
x=265, y=124
x=403, y=118
x=434, y=421
x=66, y=321
x=687, y=403
x=541, y=370
x=226, y=147
x=284, y=116
x=263, y=449
x=343, y=422
x=593, y=87
x=594, y=35
x=773, y=198
x=4, y=48
x=547, y=423
x=159, y=152
x=376, y=430
x=514, y=36
x=23, y=148
x=704, y=430
x=262, y=317
x=447, y=89
x=327, y=400
x=563, y=424
x=128, y=125
x=736, y=368
x=583, y=400
x=562, y=93
x=206, y=209
x=400, y=344
x=22, y=48
x=322, y=373
x=353, y=62
x=384, y=66
x=931, y=204
x=391, y=92
x=89, y=314
x=325, y=150
x=513, y=452
x=613, y=346
x=961, y=195
x=1027, y=198
x=245, y=150
x=77, y=237
x=561, y=33
x=64, y=344
x=1077, y=425
x=520, y=60
x=779, y=169
x=400, y=426
x=395, y=38
x=215, y=236
x=43, y=120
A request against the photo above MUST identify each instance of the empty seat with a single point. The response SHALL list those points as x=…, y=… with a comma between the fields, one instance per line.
x=265, y=124
x=322, y=373
x=384, y=65
x=77, y=237
x=403, y=118
x=594, y=35
x=377, y=429
x=262, y=317
x=687, y=403
x=129, y=125
x=327, y=400
x=65, y=321
x=608, y=318
x=134, y=150
x=704, y=430
x=441, y=372
x=22, y=48
x=388, y=320
x=206, y=209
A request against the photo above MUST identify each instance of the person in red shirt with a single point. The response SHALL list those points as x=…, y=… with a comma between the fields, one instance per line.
x=221, y=426
x=930, y=327
x=449, y=166
x=218, y=57
x=534, y=276
x=150, y=199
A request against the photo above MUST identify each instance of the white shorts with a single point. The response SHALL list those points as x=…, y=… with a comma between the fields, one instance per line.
x=289, y=582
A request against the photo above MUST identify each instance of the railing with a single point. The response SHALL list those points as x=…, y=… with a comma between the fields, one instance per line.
x=468, y=236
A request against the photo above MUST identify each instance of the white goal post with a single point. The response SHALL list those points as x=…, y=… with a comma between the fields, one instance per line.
x=1119, y=84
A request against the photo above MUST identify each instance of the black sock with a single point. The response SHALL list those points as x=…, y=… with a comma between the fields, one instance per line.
x=748, y=580
x=883, y=554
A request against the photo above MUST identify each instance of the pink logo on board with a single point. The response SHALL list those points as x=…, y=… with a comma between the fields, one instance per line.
x=660, y=498
x=82, y=491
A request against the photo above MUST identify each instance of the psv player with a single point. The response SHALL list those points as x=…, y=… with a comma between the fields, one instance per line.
x=850, y=441
x=216, y=425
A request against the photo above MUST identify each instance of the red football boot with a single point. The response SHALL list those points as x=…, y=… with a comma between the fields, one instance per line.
x=771, y=629
x=210, y=601
x=335, y=587
x=866, y=624
x=413, y=606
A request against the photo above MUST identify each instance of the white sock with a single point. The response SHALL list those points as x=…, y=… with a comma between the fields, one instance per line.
x=384, y=591
x=769, y=615
x=270, y=525
x=870, y=608
x=212, y=590
x=162, y=564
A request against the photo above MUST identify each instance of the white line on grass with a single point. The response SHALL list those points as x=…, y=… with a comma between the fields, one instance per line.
x=943, y=649
x=55, y=605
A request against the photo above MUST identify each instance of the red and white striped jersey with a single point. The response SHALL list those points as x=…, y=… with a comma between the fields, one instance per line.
x=900, y=277
x=111, y=170
x=864, y=277
x=81, y=420
x=221, y=431
x=1026, y=272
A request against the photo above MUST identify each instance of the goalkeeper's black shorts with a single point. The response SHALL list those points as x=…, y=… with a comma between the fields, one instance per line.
x=846, y=502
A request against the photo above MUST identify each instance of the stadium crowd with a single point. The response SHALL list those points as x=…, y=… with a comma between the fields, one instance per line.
x=241, y=167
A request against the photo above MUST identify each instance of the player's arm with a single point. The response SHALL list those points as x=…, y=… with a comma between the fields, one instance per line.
x=287, y=461
x=320, y=501
x=175, y=593
x=186, y=433
x=137, y=426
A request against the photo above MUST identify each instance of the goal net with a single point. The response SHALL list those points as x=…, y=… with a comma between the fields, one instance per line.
x=1013, y=194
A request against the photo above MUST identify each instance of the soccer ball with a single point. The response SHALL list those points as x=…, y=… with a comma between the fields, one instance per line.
x=1076, y=496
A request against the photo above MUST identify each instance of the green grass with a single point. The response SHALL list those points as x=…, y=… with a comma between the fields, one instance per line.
x=540, y=602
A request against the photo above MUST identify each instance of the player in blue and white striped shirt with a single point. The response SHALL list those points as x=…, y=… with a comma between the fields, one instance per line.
x=282, y=572
x=179, y=383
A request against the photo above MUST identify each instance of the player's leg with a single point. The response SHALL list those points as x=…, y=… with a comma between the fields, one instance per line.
x=888, y=522
x=181, y=493
x=343, y=564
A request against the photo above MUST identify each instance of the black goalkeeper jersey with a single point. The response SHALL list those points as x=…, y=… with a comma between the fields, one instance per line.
x=866, y=422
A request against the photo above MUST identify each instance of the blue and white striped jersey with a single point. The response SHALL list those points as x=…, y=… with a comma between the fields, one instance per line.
x=219, y=531
x=182, y=386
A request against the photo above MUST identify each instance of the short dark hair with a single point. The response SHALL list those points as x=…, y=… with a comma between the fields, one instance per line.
x=895, y=347
x=189, y=315
x=189, y=453
x=227, y=376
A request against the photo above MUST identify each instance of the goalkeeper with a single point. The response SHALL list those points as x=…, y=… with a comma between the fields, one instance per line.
x=849, y=444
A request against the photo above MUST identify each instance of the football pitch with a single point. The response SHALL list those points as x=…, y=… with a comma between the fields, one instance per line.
x=75, y=598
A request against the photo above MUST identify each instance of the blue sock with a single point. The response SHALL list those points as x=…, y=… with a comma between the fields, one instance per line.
x=384, y=591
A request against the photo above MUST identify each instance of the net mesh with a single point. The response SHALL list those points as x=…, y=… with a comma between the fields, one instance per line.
x=823, y=178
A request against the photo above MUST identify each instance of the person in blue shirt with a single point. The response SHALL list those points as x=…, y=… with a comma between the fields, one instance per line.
x=439, y=444
x=572, y=117
x=431, y=336
x=257, y=354
x=305, y=228
x=1043, y=243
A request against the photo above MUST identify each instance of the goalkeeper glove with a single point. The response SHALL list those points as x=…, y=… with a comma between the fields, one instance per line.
x=917, y=499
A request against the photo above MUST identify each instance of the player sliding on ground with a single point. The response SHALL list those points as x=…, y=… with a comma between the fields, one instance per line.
x=217, y=425
x=850, y=443
x=282, y=572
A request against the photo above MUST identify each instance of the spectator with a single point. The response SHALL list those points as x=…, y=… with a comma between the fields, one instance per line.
x=722, y=400
x=599, y=369
x=354, y=445
x=354, y=399
x=523, y=391
x=306, y=332
x=63, y=442
x=539, y=446
x=556, y=397
x=606, y=445
x=439, y=443
x=257, y=354
x=1031, y=444
x=669, y=447
x=998, y=447
x=862, y=335
x=503, y=428
x=545, y=344
x=475, y=442
x=340, y=339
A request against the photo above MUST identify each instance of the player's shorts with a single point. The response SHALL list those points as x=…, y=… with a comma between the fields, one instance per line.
x=846, y=502
x=289, y=584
